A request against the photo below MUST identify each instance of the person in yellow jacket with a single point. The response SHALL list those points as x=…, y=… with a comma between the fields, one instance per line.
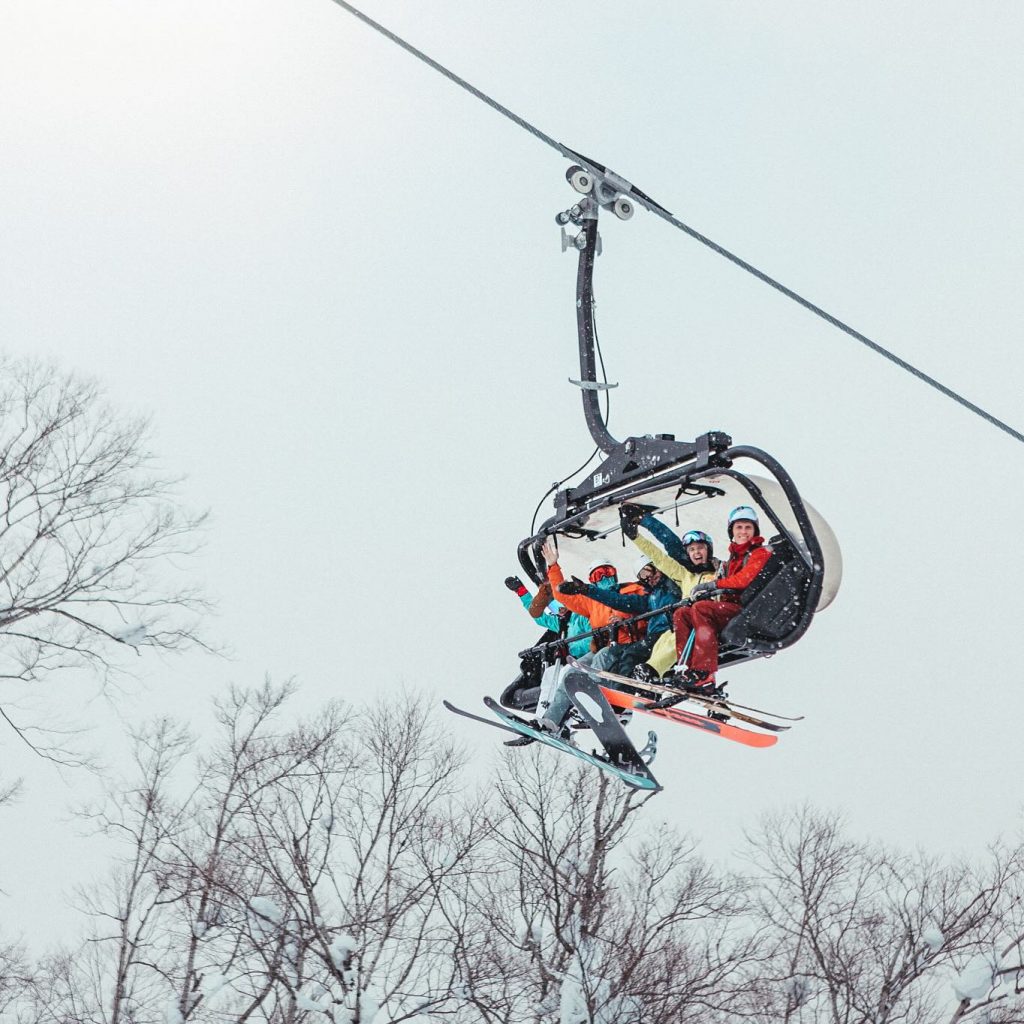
x=687, y=560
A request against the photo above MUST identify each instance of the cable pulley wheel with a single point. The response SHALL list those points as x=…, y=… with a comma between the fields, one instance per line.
x=580, y=180
x=623, y=208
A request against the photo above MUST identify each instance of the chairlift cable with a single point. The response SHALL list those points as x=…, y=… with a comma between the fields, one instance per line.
x=653, y=207
x=472, y=89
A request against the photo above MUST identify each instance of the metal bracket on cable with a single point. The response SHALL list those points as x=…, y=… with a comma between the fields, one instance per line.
x=592, y=385
x=578, y=241
x=579, y=213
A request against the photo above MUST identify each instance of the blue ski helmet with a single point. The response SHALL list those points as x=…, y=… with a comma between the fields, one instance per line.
x=698, y=537
x=743, y=513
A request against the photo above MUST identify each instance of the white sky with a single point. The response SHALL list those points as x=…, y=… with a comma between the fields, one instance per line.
x=334, y=281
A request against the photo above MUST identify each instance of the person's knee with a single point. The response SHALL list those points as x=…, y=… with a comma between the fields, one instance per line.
x=703, y=614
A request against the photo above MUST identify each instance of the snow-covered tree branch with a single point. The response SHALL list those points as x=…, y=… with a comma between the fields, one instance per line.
x=343, y=868
x=862, y=932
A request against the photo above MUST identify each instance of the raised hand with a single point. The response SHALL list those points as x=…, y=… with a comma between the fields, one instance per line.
x=549, y=551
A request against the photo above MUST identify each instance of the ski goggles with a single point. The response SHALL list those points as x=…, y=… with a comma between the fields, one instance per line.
x=649, y=571
x=602, y=572
x=695, y=537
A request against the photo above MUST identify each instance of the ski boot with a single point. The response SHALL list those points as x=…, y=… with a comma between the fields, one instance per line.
x=560, y=732
x=645, y=673
x=545, y=725
x=686, y=681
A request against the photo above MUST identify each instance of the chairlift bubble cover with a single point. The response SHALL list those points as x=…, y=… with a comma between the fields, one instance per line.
x=575, y=553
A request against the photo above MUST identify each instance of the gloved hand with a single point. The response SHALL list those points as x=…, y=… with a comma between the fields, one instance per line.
x=631, y=510
x=630, y=516
x=572, y=587
x=703, y=590
x=515, y=584
x=628, y=523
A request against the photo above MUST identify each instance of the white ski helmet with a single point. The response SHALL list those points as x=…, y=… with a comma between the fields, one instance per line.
x=597, y=565
x=641, y=565
x=743, y=513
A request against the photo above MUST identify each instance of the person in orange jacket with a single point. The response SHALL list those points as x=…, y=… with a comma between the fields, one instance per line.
x=554, y=705
x=602, y=575
x=716, y=602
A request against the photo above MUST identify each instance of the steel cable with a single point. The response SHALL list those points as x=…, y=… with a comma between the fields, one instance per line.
x=661, y=212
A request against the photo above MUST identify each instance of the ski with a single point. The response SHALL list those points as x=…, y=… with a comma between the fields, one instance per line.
x=636, y=778
x=622, y=761
x=747, y=737
x=714, y=706
x=726, y=705
x=597, y=714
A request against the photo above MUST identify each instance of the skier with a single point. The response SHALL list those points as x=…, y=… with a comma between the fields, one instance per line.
x=716, y=602
x=554, y=705
x=550, y=615
x=657, y=592
x=558, y=622
x=687, y=561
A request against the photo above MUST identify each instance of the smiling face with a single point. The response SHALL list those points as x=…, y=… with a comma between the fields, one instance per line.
x=742, y=531
x=649, y=575
x=697, y=552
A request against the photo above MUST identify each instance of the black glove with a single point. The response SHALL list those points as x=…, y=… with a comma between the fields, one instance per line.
x=515, y=584
x=703, y=590
x=634, y=512
x=628, y=523
x=572, y=587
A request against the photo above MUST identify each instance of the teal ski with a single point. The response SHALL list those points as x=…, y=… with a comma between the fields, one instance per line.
x=635, y=774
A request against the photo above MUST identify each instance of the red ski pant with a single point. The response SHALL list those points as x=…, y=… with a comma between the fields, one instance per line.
x=705, y=618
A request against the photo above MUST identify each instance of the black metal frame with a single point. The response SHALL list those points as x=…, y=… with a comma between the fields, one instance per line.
x=641, y=465
x=805, y=543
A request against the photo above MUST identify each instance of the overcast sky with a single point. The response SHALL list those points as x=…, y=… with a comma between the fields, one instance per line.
x=333, y=280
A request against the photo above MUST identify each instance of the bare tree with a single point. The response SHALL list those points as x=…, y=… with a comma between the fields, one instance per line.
x=863, y=933
x=340, y=869
x=355, y=875
x=17, y=980
x=593, y=925
x=315, y=868
x=88, y=542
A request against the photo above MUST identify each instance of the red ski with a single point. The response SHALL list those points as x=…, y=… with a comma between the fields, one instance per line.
x=747, y=737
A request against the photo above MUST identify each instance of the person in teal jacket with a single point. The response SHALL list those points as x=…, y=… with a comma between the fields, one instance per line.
x=557, y=621
x=551, y=618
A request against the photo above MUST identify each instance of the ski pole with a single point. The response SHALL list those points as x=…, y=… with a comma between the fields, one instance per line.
x=685, y=656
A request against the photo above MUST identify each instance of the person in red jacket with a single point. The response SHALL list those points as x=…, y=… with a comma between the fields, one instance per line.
x=717, y=601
